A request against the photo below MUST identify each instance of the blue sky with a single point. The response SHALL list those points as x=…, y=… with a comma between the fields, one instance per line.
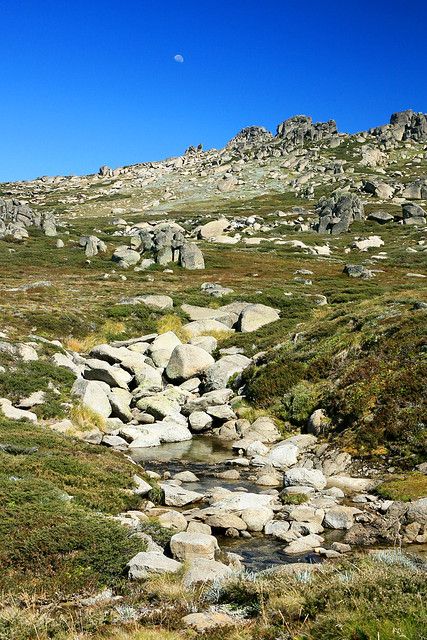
x=95, y=82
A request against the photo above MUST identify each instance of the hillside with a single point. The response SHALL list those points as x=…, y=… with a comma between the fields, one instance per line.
x=213, y=386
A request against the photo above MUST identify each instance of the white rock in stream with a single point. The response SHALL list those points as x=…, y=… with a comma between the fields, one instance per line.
x=282, y=456
x=304, y=477
x=176, y=496
x=305, y=544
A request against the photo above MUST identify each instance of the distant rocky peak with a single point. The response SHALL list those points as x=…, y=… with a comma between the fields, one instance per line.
x=298, y=129
x=250, y=136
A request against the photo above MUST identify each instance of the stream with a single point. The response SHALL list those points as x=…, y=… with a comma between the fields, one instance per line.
x=207, y=456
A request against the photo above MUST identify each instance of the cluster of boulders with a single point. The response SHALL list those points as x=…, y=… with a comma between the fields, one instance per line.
x=163, y=243
x=16, y=217
x=157, y=389
x=300, y=129
x=404, y=125
x=337, y=213
x=250, y=136
x=92, y=245
x=413, y=214
x=298, y=467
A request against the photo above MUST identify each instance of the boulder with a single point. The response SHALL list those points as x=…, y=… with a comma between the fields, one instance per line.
x=264, y=429
x=257, y=518
x=207, y=326
x=255, y=316
x=187, y=361
x=351, y=485
x=208, y=343
x=126, y=257
x=113, y=375
x=213, y=228
x=93, y=396
x=173, y=520
x=413, y=214
x=11, y=412
x=176, y=496
x=277, y=528
x=157, y=302
x=357, y=271
x=120, y=400
x=304, y=477
x=191, y=257
x=382, y=217
x=305, y=544
x=340, y=517
x=207, y=621
x=189, y=546
x=220, y=372
x=337, y=212
x=149, y=562
x=200, y=421
x=203, y=570
x=282, y=455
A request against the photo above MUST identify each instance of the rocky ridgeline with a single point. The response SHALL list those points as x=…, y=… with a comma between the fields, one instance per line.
x=17, y=217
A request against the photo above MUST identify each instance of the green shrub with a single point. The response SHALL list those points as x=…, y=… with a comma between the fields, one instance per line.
x=47, y=541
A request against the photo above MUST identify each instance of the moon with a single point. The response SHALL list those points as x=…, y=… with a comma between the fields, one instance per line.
x=178, y=58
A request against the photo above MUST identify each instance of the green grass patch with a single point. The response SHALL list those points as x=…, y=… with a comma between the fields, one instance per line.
x=410, y=486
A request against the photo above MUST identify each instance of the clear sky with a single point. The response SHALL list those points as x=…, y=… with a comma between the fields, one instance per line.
x=85, y=83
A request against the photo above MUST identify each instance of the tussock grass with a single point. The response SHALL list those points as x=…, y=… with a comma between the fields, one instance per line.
x=85, y=419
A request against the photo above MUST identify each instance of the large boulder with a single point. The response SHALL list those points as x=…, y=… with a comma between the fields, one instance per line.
x=157, y=302
x=126, y=257
x=203, y=327
x=202, y=570
x=213, y=228
x=220, y=372
x=11, y=412
x=113, y=375
x=340, y=517
x=191, y=257
x=413, y=214
x=255, y=316
x=305, y=544
x=337, y=212
x=93, y=396
x=281, y=456
x=149, y=562
x=188, y=546
x=188, y=361
x=351, y=485
x=176, y=496
x=300, y=476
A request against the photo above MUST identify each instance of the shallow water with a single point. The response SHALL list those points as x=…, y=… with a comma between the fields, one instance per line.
x=262, y=552
x=205, y=450
x=207, y=456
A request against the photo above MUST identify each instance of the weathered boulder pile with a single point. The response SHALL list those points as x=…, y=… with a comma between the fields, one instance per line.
x=162, y=243
x=299, y=129
x=337, y=213
x=17, y=217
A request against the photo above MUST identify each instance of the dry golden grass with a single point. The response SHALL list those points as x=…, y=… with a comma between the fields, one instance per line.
x=85, y=344
x=85, y=419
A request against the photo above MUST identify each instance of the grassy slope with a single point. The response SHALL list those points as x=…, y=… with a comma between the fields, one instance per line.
x=362, y=358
